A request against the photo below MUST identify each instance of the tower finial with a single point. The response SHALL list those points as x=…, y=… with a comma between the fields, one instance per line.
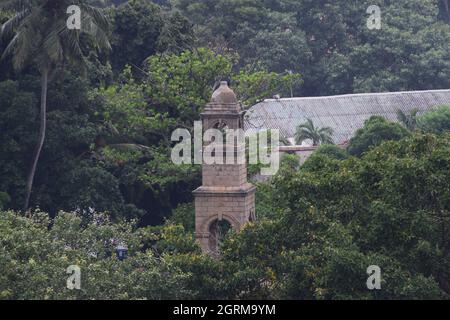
x=224, y=95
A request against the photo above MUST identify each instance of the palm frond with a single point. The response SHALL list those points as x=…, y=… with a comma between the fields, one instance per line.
x=99, y=35
x=307, y=130
x=53, y=49
x=16, y=5
x=98, y=16
x=11, y=47
x=42, y=35
x=326, y=130
x=22, y=44
x=19, y=48
x=71, y=41
x=9, y=26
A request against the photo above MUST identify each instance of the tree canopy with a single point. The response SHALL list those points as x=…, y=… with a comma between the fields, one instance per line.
x=318, y=232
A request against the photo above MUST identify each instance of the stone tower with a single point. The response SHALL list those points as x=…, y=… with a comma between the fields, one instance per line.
x=225, y=194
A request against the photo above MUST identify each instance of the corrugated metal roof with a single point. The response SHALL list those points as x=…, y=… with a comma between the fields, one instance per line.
x=344, y=114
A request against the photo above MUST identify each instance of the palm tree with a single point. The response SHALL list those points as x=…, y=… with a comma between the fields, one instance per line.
x=37, y=34
x=307, y=130
x=410, y=120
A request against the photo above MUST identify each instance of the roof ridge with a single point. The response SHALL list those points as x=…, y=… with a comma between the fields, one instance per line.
x=355, y=95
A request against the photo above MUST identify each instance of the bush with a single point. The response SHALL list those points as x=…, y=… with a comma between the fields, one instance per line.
x=324, y=155
x=331, y=151
x=376, y=130
x=436, y=121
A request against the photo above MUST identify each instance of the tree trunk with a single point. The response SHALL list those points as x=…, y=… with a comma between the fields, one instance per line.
x=447, y=9
x=41, y=138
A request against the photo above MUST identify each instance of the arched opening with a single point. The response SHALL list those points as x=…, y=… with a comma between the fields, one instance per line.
x=251, y=216
x=218, y=229
x=221, y=125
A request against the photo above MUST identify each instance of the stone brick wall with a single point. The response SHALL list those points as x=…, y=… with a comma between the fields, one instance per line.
x=225, y=175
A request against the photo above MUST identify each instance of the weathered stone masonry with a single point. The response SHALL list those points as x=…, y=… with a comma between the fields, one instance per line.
x=225, y=193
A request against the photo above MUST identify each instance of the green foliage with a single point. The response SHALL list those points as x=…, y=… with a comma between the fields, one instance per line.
x=323, y=156
x=375, y=130
x=389, y=208
x=35, y=33
x=125, y=112
x=35, y=253
x=331, y=151
x=173, y=239
x=317, y=233
x=329, y=42
x=437, y=121
x=15, y=142
x=306, y=256
x=253, y=87
x=414, y=47
x=184, y=215
x=182, y=84
x=410, y=121
x=142, y=29
x=252, y=29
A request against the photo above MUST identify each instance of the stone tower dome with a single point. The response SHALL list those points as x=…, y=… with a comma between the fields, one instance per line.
x=224, y=95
